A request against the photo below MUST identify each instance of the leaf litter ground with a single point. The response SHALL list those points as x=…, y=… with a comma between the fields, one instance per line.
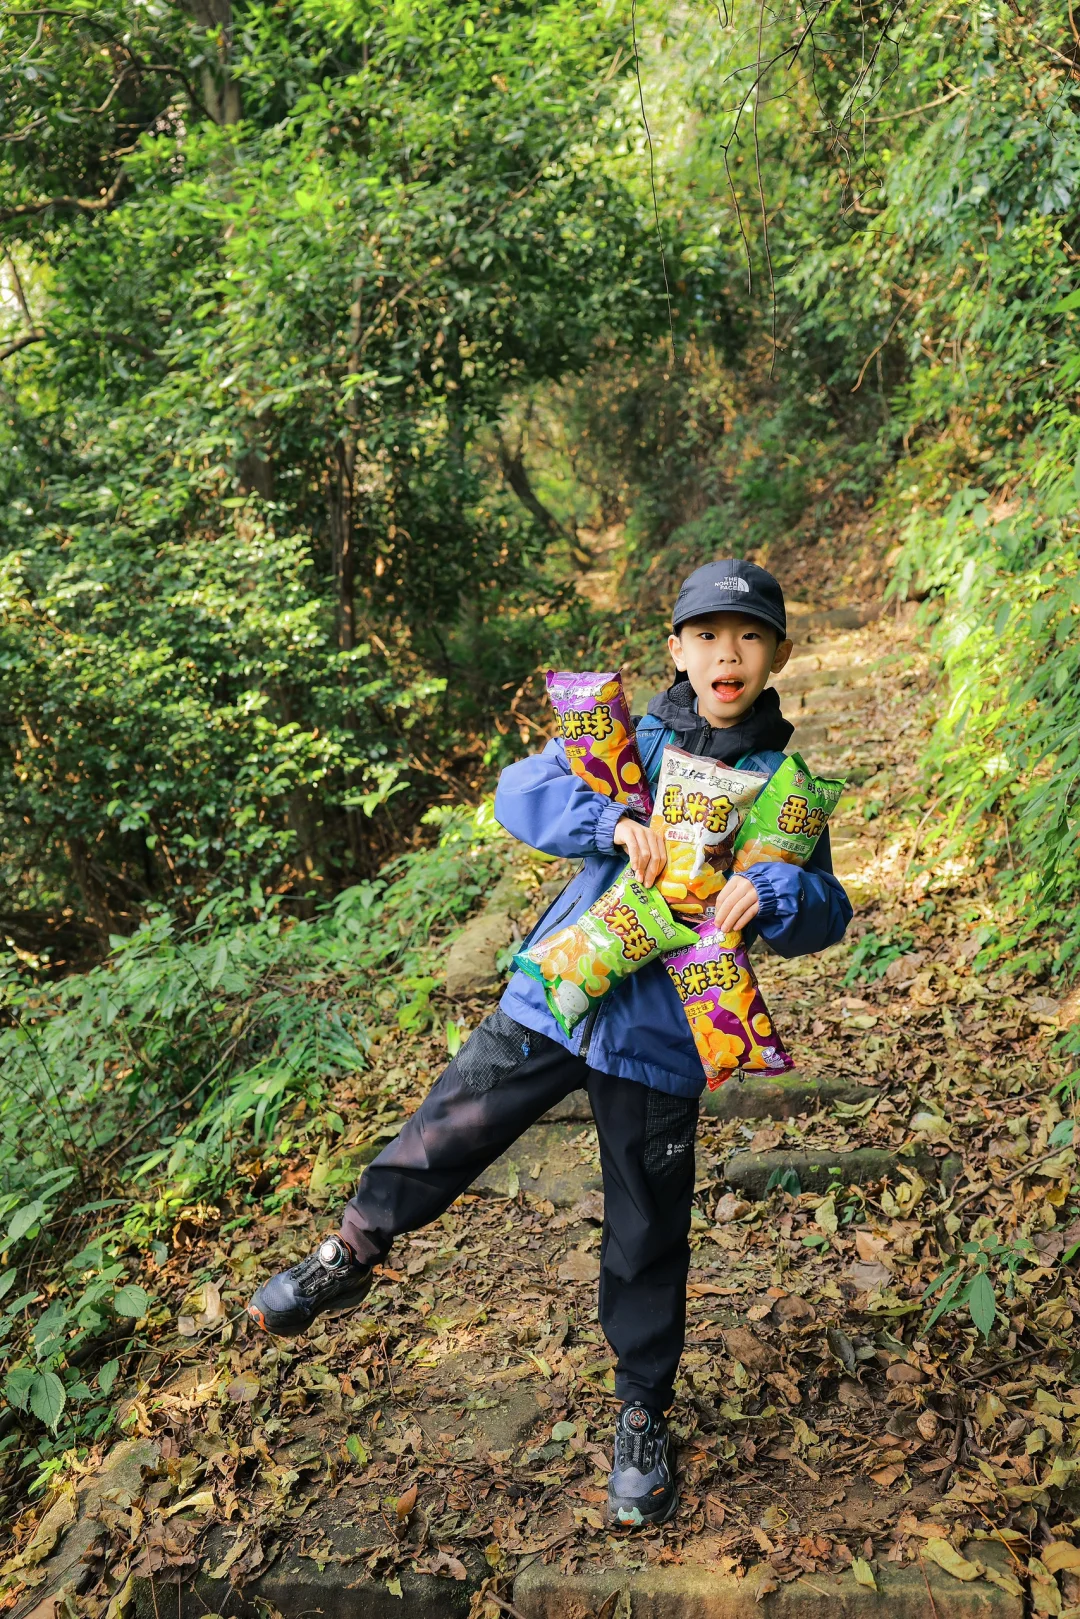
x=460, y=1424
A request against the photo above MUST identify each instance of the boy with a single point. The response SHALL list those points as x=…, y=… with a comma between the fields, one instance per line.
x=634, y=1053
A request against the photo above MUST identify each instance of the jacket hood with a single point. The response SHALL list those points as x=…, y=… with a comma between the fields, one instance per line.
x=762, y=728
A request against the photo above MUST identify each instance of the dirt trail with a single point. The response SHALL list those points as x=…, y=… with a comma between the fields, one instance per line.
x=451, y=1442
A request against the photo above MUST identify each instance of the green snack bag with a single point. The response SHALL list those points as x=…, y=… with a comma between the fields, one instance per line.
x=621, y=932
x=787, y=817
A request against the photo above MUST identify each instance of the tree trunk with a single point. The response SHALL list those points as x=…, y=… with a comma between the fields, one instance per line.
x=341, y=490
x=221, y=93
x=94, y=896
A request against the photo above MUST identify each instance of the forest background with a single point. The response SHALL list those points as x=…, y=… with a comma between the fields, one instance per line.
x=337, y=339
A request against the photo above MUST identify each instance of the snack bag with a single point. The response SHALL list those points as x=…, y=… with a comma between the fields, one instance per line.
x=788, y=817
x=622, y=931
x=593, y=718
x=725, y=1008
x=700, y=804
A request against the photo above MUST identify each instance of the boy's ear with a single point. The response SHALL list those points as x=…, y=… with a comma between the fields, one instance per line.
x=674, y=646
x=781, y=655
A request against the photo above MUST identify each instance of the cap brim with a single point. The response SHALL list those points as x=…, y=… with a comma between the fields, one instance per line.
x=762, y=618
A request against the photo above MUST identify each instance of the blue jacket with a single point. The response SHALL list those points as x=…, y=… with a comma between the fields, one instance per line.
x=640, y=1032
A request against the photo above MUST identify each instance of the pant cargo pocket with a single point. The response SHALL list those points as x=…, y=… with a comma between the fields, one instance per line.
x=494, y=1052
x=670, y=1129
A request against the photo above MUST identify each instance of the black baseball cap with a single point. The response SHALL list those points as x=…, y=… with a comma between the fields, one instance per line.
x=731, y=586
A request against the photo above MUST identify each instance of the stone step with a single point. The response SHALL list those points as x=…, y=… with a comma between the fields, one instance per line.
x=851, y=854
x=806, y=680
x=471, y=960
x=809, y=735
x=562, y=1175
x=785, y=1097
x=916, y=1590
x=573, y=1109
x=802, y=624
x=750, y=1172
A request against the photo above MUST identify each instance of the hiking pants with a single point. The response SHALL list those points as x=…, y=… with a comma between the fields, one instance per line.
x=501, y=1081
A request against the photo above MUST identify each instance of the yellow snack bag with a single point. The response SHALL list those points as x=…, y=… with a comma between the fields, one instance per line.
x=700, y=805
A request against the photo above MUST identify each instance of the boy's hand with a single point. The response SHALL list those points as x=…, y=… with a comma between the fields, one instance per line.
x=736, y=904
x=646, y=849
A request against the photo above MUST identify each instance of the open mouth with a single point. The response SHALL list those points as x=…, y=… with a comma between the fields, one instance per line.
x=728, y=691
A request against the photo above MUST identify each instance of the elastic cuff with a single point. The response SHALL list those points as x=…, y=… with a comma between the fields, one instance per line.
x=768, y=901
x=632, y=1392
x=606, y=822
x=366, y=1250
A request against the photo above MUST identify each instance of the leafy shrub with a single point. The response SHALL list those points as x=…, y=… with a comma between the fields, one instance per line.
x=136, y=1089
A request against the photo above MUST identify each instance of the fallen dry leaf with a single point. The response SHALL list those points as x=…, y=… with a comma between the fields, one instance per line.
x=953, y=1562
x=793, y=1308
x=579, y=1266
x=1061, y=1555
x=874, y=1250
x=405, y=1504
x=902, y=1372
x=867, y=1276
x=742, y=1346
x=243, y=1388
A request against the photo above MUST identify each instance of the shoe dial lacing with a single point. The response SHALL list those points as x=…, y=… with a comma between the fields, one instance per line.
x=637, y=1449
x=324, y=1270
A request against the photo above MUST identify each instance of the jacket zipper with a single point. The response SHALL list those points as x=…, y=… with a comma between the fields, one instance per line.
x=535, y=929
x=587, y=1032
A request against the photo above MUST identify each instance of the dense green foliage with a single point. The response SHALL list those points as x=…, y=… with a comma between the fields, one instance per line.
x=332, y=337
x=904, y=358
x=259, y=567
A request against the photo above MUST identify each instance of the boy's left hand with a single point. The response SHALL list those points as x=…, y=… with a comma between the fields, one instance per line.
x=736, y=904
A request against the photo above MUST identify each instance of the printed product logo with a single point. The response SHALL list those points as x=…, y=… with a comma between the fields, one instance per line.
x=733, y=583
x=595, y=722
x=626, y=925
x=697, y=808
x=796, y=817
x=724, y=974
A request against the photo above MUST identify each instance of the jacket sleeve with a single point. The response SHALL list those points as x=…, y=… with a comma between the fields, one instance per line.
x=541, y=802
x=803, y=908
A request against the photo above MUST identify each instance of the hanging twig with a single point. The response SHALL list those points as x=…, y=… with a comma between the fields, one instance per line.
x=652, y=178
x=761, y=189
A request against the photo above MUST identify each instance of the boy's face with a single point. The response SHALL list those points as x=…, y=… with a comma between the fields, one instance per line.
x=729, y=658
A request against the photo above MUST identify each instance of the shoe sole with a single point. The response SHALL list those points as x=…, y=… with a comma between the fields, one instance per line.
x=258, y=1315
x=614, y=1522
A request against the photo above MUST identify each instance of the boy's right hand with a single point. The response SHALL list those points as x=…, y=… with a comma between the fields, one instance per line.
x=645, y=848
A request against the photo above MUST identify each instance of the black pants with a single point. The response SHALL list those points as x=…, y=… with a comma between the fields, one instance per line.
x=501, y=1081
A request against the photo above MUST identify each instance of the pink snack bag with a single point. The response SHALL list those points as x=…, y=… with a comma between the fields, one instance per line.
x=593, y=719
x=731, y=1025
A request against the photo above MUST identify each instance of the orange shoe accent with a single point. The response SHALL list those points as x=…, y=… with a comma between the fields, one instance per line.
x=257, y=1316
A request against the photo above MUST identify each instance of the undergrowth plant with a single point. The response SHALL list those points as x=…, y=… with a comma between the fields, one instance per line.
x=135, y=1090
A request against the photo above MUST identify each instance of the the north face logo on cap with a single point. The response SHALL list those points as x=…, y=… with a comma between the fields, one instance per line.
x=734, y=583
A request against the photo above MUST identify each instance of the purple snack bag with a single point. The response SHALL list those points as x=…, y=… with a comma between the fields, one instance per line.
x=724, y=1006
x=593, y=719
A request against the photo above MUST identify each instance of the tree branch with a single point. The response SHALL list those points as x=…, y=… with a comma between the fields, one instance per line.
x=518, y=478
x=88, y=205
x=21, y=343
x=19, y=292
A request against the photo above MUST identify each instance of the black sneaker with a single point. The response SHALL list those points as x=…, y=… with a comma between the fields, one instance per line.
x=641, y=1489
x=331, y=1279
